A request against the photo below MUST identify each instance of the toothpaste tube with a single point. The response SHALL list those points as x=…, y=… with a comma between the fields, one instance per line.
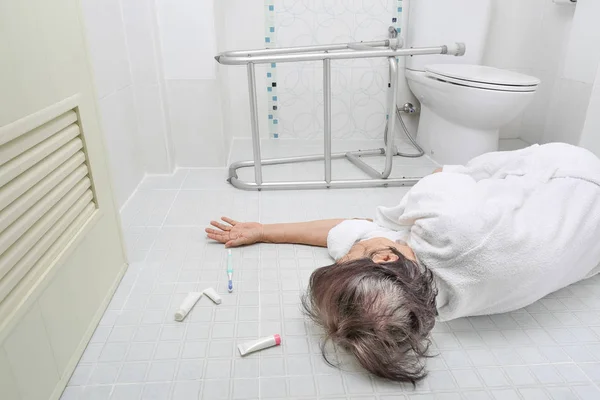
x=186, y=306
x=213, y=295
x=260, y=344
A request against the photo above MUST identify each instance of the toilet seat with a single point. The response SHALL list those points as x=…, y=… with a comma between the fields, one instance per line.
x=481, y=85
x=482, y=77
x=460, y=121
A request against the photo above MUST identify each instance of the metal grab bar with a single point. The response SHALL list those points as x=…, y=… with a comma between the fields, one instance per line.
x=326, y=53
x=331, y=52
x=301, y=49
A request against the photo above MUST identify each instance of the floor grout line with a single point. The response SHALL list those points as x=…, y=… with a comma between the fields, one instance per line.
x=259, y=296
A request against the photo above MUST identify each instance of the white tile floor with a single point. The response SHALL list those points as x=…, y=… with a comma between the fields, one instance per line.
x=550, y=350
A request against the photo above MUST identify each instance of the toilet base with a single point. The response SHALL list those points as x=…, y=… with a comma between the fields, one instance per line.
x=448, y=143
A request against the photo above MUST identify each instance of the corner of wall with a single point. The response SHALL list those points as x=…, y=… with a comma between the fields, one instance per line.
x=223, y=77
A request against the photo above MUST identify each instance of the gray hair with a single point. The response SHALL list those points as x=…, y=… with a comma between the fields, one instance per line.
x=380, y=313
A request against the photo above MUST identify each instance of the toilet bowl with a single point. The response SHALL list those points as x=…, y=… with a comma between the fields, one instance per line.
x=463, y=103
x=464, y=106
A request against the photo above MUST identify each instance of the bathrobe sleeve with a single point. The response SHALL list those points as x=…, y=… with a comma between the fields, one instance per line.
x=344, y=235
x=454, y=189
x=445, y=212
x=432, y=209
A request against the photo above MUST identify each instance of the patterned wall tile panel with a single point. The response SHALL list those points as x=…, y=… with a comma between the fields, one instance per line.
x=359, y=86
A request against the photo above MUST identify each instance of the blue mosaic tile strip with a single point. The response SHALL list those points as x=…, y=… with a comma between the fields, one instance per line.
x=397, y=23
x=397, y=19
x=271, y=42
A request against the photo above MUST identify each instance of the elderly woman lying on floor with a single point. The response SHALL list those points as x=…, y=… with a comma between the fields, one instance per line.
x=490, y=237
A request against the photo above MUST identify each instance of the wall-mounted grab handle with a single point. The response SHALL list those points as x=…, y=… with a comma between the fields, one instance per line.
x=343, y=51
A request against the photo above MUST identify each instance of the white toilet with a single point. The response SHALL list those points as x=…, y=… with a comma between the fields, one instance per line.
x=463, y=104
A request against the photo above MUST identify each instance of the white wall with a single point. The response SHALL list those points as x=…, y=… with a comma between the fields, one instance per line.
x=590, y=135
x=197, y=84
x=124, y=60
x=359, y=87
x=164, y=100
x=189, y=43
x=576, y=78
x=110, y=63
x=140, y=22
x=240, y=25
x=560, y=44
x=530, y=36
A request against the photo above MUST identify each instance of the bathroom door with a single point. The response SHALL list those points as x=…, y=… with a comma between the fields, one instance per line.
x=61, y=255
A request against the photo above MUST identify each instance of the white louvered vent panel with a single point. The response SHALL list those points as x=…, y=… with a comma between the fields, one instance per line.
x=46, y=196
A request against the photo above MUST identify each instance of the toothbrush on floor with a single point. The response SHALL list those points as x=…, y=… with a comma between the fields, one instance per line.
x=229, y=271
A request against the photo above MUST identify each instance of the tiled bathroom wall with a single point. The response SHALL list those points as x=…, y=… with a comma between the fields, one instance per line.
x=530, y=37
x=188, y=33
x=560, y=45
x=590, y=135
x=359, y=86
x=290, y=94
x=572, y=101
x=165, y=102
x=126, y=63
x=114, y=90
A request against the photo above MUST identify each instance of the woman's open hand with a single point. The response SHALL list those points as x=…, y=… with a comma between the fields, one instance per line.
x=234, y=234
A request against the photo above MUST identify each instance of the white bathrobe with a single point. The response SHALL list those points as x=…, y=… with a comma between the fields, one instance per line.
x=499, y=233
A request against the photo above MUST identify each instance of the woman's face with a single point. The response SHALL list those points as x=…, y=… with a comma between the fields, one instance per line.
x=377, y=248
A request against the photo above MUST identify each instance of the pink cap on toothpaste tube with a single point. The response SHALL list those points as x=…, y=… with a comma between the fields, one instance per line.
x=259, y=344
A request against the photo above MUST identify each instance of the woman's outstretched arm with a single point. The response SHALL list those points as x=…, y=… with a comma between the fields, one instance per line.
x=233, y=233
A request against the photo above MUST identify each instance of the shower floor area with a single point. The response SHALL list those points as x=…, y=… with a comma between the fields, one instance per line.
x=549, y=350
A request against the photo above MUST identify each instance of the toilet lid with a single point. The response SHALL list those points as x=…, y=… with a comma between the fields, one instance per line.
x=480, y=76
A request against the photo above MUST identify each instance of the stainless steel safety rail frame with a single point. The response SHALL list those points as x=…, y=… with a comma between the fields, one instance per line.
x=326, y=53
